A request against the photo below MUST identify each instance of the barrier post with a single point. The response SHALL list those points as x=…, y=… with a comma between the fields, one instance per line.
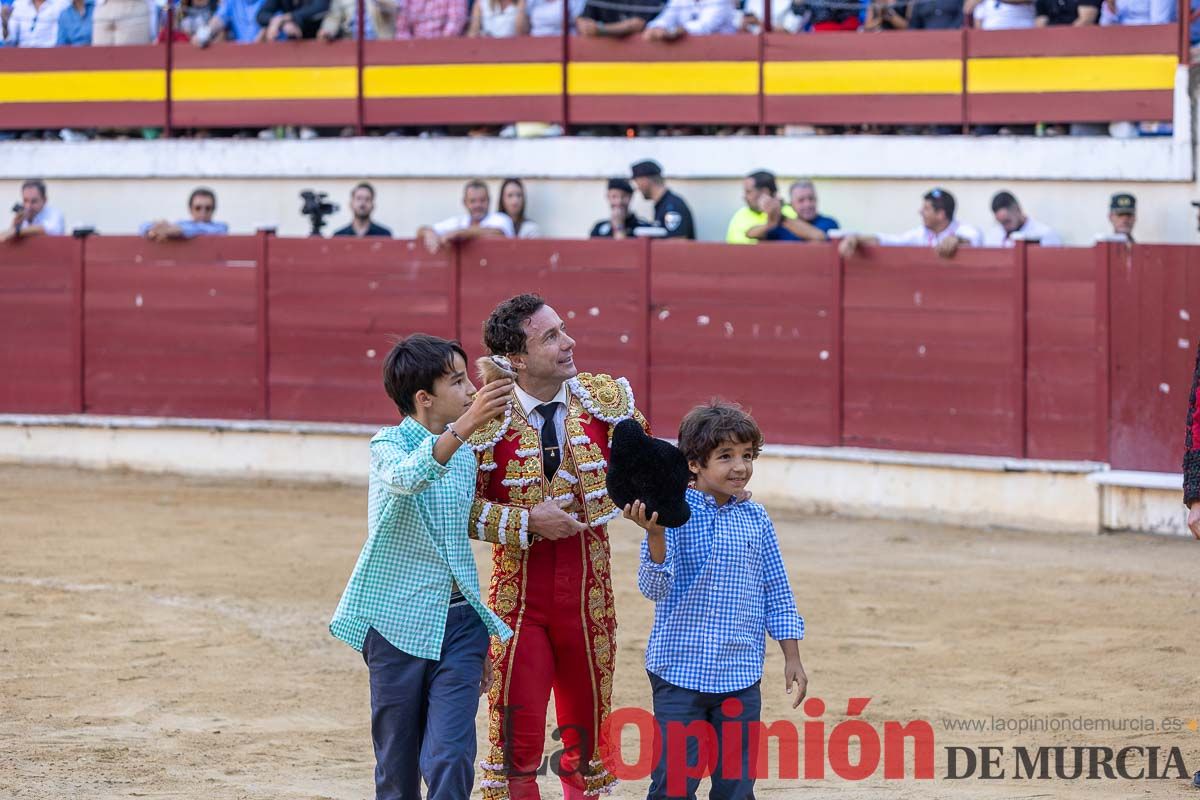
x=360, y=50
x=167, y=127
x=1021, y=347
x=264, y=342
x=78, y=342
x=1103, y=331
x=837, y=308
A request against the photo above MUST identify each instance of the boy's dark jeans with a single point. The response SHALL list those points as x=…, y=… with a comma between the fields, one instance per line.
x=676, y=704
x=423, y=712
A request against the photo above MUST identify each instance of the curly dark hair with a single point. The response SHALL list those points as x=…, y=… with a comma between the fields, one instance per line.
x=707, y=427
x=504, y=332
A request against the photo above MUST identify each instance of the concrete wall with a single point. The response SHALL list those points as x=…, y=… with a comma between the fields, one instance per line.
x=868, y=183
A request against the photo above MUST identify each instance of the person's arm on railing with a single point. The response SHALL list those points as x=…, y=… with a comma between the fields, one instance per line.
x=309, y=12
x=475, y=26
x=666, y=26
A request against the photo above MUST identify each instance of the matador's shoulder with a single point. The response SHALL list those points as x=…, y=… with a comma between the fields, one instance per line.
x=605, y=397
x=486, y=437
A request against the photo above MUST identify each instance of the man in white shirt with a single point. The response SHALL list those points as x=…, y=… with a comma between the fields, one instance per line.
x=35, y=217
x=1012, y=224
x=691, y=18
x=477, y=222
x=999, y=15
x=938, y=230
x=34, y=23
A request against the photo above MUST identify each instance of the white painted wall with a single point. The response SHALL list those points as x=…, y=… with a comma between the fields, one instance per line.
x=868, y=183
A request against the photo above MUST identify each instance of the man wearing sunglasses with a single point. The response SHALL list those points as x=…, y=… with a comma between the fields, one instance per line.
x=201, y=206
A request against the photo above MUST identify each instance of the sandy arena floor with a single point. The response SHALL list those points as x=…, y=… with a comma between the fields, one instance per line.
x=166, y=638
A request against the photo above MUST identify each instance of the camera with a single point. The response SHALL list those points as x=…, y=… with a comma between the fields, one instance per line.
x=316, y=207
x=18, y=208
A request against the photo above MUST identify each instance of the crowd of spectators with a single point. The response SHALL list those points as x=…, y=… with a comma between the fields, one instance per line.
x=764, y=217
x=49, y=23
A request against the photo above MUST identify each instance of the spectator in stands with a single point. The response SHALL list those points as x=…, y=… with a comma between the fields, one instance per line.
x=829, y=15
x=202, y=204
x=476, y=223
x=75, y=24
x=341, y=21
x=362, y=206
x=671, y=213
x=499, y=19
x=887, y=15
x=6, y=7
x=691, y=18
x=430, y=19
x=1067, y=12
x=616, y=20
x=35, y=218
x=1122, y=214
x=1012, y=223
x=511, y=203
x=621, y=222
x=546, y=16
x=803, y=197
x=939, y=230
x=1137, y=12
x=236, y=20
x=34, y=23
x=995, y=15
x=191, y=17
x=123, y=22
x=764, y=217
x=785, y=17
x=935, y=15
x=291, y=19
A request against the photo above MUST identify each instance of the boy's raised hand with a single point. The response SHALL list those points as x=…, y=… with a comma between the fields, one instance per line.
x=489, y=402
x=636, y=511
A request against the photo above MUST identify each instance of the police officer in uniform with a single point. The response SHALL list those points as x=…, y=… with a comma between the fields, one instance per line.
x=621, y=223
x=670, y=212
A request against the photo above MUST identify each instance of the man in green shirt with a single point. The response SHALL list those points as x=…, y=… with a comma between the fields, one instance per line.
x=765, y=217
x=412, y=604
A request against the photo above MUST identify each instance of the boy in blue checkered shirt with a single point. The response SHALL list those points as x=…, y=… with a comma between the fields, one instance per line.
x=719, y=586
x=412, y=604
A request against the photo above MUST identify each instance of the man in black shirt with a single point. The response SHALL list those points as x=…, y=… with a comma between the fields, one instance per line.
x=362, y=205
x=670, y=212
x=621, y=222
x=1067, y=12
x=616, y=19
x=291, y=19
x=935, y=15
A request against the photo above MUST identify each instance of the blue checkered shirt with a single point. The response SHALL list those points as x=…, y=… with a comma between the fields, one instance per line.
x=720, y=589
x=417, y=546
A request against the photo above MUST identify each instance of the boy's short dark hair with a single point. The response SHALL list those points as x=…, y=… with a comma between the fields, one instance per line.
x=707, y=426
x=414, y=364
x=504, y=330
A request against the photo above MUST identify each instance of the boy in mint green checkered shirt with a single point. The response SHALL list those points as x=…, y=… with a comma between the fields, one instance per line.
x=412, y=605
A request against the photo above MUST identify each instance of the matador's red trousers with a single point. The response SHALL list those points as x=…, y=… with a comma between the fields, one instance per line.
x=564, y=624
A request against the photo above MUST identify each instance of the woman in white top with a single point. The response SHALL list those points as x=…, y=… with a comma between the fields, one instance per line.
x=498, y=19
x=512, y=203
x=546, y=16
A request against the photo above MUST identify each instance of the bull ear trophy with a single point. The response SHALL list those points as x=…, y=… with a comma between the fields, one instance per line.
x=494, y=368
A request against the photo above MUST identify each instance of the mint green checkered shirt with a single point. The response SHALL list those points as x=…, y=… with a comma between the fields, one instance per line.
x=416, y=547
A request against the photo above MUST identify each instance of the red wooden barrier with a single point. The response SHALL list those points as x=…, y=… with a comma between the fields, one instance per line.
x=598, y=288
x=756, y=325
x=994, y=353
x=1066, y=371
x=172, y=329
x=335, y=307
x=1155, y=311
x=932, y=357
x=41, y=293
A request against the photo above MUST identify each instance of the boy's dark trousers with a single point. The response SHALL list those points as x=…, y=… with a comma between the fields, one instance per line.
x=730, y=781
x=423, y=712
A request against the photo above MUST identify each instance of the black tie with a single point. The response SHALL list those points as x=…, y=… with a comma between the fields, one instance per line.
x=551, y=454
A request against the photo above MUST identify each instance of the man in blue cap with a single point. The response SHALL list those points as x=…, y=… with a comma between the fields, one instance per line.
x=670, y=212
